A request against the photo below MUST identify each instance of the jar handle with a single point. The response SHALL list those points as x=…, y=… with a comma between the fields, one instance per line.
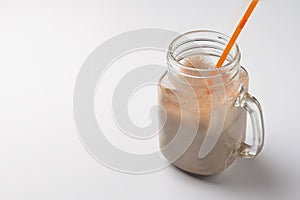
x=252, y=106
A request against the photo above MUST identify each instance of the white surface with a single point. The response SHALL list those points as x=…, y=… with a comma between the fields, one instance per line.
x=42, y=47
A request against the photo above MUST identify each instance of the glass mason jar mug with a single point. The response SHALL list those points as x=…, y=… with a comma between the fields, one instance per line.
x=205, y=108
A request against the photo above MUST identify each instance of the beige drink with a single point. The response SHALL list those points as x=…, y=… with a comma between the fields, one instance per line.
x=233, y=129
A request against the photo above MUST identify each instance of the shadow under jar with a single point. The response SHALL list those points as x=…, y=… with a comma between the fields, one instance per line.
x=205, y=108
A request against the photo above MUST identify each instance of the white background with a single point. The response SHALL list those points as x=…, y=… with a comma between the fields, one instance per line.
x=42, y=47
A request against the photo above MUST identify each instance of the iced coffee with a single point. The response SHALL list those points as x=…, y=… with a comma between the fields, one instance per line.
x=194, y=92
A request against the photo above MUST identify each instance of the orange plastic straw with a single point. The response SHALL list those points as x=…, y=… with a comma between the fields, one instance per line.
x=236, y=33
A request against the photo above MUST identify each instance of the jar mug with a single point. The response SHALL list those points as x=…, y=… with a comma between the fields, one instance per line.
x=204, y=113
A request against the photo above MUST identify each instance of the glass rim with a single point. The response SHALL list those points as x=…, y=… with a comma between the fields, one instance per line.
x=236, y=57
